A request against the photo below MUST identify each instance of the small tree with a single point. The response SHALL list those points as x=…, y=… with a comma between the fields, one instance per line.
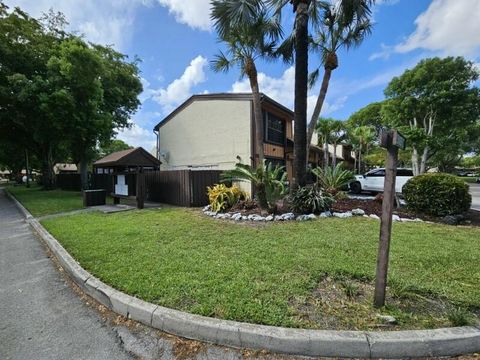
x=268, y=181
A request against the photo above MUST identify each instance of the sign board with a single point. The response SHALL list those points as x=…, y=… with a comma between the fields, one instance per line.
x=121, y=188
x=397, y=139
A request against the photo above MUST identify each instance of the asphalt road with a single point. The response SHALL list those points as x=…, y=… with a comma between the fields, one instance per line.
x=41, y=316
x=475, y=191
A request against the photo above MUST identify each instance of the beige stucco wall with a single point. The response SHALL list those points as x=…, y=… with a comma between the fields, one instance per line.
x=207, y=134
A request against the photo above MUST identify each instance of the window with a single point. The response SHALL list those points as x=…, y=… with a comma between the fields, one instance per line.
x=377, y=173
x=274, y=129
x=404, y=172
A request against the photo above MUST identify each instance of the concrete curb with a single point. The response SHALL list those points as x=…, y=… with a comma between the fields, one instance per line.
x=358, y=344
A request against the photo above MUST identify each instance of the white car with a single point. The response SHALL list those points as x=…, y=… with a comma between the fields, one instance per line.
x=374, y=180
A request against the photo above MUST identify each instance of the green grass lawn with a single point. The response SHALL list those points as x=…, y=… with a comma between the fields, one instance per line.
x=468, y=179
x=40, y=202
x=180, y=259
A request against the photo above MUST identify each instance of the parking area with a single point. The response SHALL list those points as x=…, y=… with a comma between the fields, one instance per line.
x=475, y=191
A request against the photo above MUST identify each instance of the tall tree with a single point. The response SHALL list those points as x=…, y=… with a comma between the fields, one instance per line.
x=61, y=95
x=27, y=96
x=246, y=43
x=344, y=24
x=302, y=10
x=432, y=104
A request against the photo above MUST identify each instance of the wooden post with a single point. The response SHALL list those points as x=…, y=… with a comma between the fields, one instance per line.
x=386, y=221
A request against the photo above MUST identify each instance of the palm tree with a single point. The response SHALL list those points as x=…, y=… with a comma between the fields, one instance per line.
x=246, y=41
x=344, y=24
x=324, y=129
x=361, y=137
x=268, y=180
x=337, y=134
x=302, y=9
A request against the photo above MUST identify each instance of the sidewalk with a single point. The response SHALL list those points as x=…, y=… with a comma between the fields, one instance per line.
x=41, y=316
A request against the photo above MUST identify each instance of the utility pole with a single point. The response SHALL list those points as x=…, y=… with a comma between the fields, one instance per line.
x=391, y=140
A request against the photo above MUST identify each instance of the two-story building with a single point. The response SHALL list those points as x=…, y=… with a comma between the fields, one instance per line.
x=215, y=131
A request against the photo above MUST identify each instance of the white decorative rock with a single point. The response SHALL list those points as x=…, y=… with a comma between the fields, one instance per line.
x=358, y=212
x=269, y=218
x=244, y=218
x=344, y=215
x=311, y=216
x=373, y=216
x=207, y=208
x=406, y=220
x=237, y=217
x=418, y=220
x=288, y=216
x=326, y=214
x=395, y=217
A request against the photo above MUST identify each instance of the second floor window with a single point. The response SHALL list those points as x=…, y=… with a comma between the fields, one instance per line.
x=274, y=129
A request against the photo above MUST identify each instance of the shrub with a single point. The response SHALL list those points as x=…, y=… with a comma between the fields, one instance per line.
x=437, y=194
x=222, y=197
x=333, y=179
x=310, y=199
x=268, y=180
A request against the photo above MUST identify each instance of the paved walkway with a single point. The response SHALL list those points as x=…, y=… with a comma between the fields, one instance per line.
x=40, y=315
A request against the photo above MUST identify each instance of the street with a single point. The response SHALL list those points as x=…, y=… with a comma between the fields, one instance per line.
x=475, y=191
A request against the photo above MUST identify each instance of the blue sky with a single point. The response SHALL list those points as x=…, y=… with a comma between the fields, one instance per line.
x=175, y=42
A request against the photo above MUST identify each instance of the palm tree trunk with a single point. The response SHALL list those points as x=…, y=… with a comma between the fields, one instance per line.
x=318, y=107
x=360, y=160
x=258, y=115
x=334, y=154
x=325, y=154
x=301, y=85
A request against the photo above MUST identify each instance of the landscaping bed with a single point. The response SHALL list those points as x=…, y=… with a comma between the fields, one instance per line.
x=293, y=274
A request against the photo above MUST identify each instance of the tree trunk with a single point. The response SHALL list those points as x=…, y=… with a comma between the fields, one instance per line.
x=48, y=176
x=84, y=174
x=334, y=154
x=301, y=86
x=325, y=154
x=355, y=162
x=423, y=161
x=251, y=70
x=360, y=160
x=415, y=167
x=318, y=107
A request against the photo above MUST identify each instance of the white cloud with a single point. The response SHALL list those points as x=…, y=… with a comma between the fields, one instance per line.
x=449, y=26
x=108, y=22
x=194, y=13
x=138, y=136
x=282, y=89
x=180, y=89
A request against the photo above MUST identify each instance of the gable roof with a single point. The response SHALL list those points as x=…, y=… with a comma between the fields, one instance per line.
x=221, y=96
x=131, y=157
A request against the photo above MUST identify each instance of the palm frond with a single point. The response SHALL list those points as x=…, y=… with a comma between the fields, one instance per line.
x=313, y=77
x=221, y=63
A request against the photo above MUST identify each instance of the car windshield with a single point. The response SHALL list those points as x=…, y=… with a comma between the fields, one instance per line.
x=371, y=172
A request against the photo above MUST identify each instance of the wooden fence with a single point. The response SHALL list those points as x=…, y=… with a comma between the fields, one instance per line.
x=177, y=187
x=180, y=187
